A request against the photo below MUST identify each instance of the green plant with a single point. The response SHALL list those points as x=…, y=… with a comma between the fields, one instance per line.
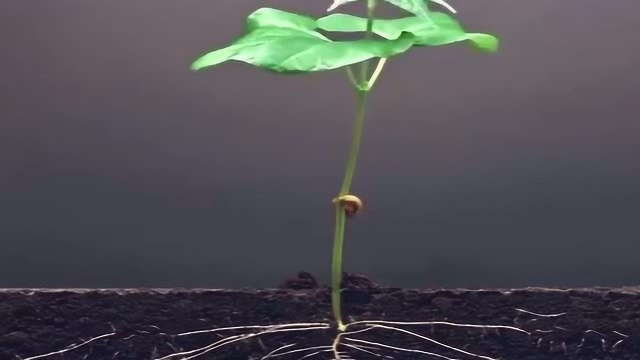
x=290, y=43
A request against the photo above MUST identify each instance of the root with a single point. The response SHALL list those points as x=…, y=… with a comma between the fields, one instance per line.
x=267, y=327
x=379, y=322
x=372, y=324
x=271, y=329
x=402, y=349
x=71, y=347
x=363, y=349
x=343, y=339
x=345, y=343
x=540, y=315
x=273, y=353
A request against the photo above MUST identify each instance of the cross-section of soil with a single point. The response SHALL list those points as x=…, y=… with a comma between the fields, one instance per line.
x=142, y=324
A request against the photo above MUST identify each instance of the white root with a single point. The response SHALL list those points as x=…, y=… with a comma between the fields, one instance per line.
x=344, y=339
x=403, y=349
x=72, y=347
x=235, y=338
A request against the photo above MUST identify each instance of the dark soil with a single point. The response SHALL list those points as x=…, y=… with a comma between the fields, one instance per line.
x=596, y=323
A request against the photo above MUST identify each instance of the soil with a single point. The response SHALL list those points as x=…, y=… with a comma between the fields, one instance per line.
x=140, y=324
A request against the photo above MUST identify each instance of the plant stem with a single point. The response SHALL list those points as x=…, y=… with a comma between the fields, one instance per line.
x=336, y=266
x=376, y=72
x=362, y=90
x=355, y=142
x=351, y=77
x=371, y=7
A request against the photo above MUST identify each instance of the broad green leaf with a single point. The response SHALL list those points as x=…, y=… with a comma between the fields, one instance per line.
x=280, y=41
x=388, y=29
x=274, y=17
x=441, y=30
x=292, y=50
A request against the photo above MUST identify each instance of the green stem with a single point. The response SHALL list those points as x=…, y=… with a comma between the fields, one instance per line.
x=336, y=266
x=362, y=91
x=371, y=7
x=355, y=142
x=351, y=77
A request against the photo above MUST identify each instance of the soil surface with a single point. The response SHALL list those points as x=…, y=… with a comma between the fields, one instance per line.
x=141, y=324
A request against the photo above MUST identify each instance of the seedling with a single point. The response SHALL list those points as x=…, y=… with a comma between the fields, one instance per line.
x=288, y=43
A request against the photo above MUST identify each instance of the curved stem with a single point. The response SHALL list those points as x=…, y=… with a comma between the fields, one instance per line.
x=376, y=72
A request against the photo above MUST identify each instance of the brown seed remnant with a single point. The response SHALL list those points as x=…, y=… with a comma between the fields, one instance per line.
x=350, y=203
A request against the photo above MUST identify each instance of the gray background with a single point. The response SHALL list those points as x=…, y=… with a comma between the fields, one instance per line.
x=120, y=167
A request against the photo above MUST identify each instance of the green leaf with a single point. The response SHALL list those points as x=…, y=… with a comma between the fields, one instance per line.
x=286, y=49
x=280, y=41
x=441, y=30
